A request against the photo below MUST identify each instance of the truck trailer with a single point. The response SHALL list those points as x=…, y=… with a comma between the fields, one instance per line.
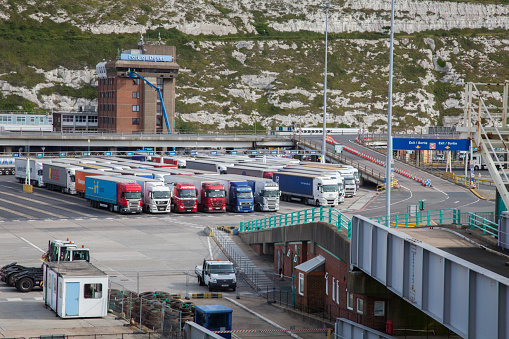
x=325, y=173
x=308, y=188
x=184, y=197
x=80, y=175
x=265, y=192
x=116, y=194
x=36, y=171
x=60, y=177
x=251, y=171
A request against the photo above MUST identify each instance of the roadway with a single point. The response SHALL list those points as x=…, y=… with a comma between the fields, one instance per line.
x=442, y=194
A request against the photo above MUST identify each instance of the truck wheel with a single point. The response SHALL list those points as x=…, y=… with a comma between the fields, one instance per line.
x=210, y=288
x=234, y=288
x=110, y=207
x=25, y=284
x=317, y=202
x=200, y=281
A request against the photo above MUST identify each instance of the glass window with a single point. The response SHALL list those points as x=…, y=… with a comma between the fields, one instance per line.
x=160, y=82
x=326, y=283
x=161, y=195
x=136, y=108
x=360, y=306
x=92, y=118
x=136, y=81
x=301, y=283
x=136, y=121
x=20, y=120
x=216, y=193
x=333, y=289
x=132, y=195
x=337, y=291
x=93, y=291
x=187, y=193
x=379, y=308
x=136, y=95
x=222, y=269
x=349, y=300
x=68, y=118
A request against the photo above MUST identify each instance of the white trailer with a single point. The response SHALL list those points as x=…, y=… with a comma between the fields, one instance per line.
x=75, y=289
x=36, y=171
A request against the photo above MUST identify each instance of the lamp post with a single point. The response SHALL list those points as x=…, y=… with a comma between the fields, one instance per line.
x=327, y=6
x=389, y=161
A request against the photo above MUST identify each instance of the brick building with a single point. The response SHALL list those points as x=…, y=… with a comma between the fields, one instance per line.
x=130, y=105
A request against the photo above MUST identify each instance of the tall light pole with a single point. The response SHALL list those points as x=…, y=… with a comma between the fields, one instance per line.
x=389, y=162
x=327, y=6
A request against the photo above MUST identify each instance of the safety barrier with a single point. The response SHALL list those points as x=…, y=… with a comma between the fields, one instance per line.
x=423, y=218
x=329, y=215
x=485, y=225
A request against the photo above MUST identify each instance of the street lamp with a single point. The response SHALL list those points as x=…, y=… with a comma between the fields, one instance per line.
x=389, y=162
x=327, y=6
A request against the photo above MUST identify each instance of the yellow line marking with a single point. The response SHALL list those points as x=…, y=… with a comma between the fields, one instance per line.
x=17, y=213
x=32, y=208
x=47, y=204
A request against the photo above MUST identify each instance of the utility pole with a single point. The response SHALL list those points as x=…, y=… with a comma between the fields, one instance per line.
x=389, y=161
x=327, y=6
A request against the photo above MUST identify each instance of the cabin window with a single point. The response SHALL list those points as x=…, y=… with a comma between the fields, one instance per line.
x=93, y=291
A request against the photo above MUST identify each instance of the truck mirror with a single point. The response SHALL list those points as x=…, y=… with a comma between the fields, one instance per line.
x=196, y=192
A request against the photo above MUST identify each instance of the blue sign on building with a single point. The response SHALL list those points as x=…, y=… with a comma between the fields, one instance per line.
x=430, y=144
x=40, y=155
x=63, y=154
x=146, y=57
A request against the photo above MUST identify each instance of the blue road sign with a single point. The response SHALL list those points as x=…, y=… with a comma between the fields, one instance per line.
x=313, y=152
x=15, y=155
x=40, y=155
x=213, y=152
x=151, y=153
x=430, y=144
x=234, y=152
x=293, y=152
x=193, y=153
x=173, y=153
x=107, y=154
x=254, y=152
x=63, y=154
x=85, y=154
x=129, y=154
x=273, y=152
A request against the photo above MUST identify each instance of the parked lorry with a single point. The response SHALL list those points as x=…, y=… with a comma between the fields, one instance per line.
x=36, y=171
x=216, y=274
x=60, y=177
x=265, y=192
x=66, y=250
x=80, y=175
x=344, y=170
x=308, y=188
x=340, y=181
x=211, y=194
x=7, y=166
x=251, y=171
x=184, y=197
x=156, y=195
x=239, y=196
x=208, y=165
x=115, y=193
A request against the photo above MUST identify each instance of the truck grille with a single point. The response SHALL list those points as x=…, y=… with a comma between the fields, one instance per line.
x=224, y=281
x=162, y=203
x=245, y=203
x=133, y=205
x=188, y=203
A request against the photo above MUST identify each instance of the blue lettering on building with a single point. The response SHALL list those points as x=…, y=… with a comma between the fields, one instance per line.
x=146, y=57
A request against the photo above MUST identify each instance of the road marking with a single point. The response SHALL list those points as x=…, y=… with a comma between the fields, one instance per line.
x=17, y=213
x=33, y=209
x=48, y=204
x=34, y=246
x=14, y=299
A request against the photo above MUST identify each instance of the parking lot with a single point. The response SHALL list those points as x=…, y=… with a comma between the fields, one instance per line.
x=139, y=252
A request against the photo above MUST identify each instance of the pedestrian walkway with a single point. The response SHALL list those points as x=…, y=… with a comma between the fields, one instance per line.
x=252, y=266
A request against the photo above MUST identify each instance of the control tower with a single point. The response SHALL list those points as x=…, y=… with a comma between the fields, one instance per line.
x=129, y=105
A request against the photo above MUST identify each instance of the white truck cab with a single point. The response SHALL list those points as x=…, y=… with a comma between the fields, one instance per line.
x=217, y=274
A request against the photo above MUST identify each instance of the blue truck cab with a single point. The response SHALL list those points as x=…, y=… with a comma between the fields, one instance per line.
x=241, y=197
x=214, y=318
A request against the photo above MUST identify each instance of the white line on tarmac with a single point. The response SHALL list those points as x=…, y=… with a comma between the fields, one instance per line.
x=32, y=208
x=47, y=204
x=34, y=246
x=17, y=213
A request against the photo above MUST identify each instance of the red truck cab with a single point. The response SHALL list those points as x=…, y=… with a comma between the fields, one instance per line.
x=129, y=197
x=185, y=197
x=213, y=197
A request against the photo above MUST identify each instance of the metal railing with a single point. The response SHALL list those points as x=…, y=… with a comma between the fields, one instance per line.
x=423, y=218
x=487, y=226
x=329, y=215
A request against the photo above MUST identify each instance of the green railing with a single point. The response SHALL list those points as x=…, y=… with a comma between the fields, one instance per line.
x=423, y=218
x=485, y=225
x=329, y=215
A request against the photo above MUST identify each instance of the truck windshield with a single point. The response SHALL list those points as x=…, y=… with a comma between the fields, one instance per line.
x=330, y=188
x=244, y=195
x=270, y=194
x=215, y=193
x=350, y=181
x=221, y=269
x=187, y=193
x=161, y=195
x=132, y=195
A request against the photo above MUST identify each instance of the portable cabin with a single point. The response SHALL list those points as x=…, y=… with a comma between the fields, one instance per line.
x=75, y=289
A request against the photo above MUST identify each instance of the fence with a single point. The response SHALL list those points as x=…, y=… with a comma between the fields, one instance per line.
x=487, y=226
x=423, y=218
x=329, y=215
x=156, y=280
x=127, y=335
x=160, y=312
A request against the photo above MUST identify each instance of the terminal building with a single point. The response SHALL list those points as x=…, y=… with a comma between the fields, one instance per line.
x=129, y=104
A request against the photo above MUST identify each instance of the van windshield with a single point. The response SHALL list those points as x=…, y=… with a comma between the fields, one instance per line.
x=221, y=269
